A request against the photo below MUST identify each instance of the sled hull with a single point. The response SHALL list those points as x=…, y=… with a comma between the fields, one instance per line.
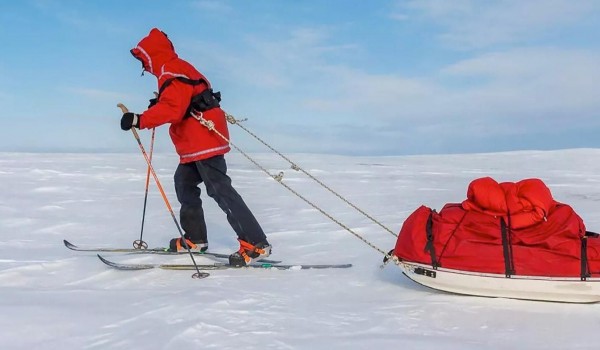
x=539, y=288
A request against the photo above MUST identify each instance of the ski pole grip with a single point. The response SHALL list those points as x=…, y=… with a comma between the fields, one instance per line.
x=123, y=108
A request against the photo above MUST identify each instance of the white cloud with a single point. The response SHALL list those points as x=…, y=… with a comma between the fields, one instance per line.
x=272, y=63
x=540, y=80
x=476, y=24
x=505, y=92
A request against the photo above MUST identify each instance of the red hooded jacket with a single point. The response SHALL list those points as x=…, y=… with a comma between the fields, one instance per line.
x=192, y=140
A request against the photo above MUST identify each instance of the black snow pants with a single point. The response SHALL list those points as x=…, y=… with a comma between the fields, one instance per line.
x=213, y=172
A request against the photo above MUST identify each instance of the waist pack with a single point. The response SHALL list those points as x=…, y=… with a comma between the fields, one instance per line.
x=205, y=100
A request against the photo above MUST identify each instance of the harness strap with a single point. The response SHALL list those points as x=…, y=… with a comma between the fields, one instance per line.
x=184, y=80
x=205, y=100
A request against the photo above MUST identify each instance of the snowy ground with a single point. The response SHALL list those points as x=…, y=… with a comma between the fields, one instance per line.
x=53, y=298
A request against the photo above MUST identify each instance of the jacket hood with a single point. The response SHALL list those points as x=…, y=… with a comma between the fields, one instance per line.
x=154, y=51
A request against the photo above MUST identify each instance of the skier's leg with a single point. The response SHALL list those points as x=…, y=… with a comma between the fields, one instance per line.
x=218, y=186
x=191, y=213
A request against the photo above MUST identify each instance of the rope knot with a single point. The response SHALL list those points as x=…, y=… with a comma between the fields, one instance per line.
x=209, y=124
x=231, y=119
x=278, y=177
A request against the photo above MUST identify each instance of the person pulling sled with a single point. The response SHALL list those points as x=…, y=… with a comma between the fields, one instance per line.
x=184, y=91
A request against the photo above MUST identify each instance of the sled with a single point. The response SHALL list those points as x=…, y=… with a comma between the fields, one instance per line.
x=509, y=240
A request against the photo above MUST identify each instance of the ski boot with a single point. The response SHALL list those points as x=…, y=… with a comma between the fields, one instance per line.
x=248, y=253
x=177, y=245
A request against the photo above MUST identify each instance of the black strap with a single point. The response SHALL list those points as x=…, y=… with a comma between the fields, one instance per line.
x=183, y=80
x=388, y=256
x=205, y=100
x=585, y=272
x=430, y=246
x=507, y=248
x=585, y=268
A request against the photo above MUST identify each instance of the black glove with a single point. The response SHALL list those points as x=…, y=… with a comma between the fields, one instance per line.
x=129, y=120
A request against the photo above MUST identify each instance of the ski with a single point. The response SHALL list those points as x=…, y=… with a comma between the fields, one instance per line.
x=218, y=266
x=158, y=251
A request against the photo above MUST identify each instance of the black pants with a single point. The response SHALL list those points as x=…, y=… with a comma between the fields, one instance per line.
x=213, y=172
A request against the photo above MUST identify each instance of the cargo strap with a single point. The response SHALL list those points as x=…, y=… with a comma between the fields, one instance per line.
x=509, y=269
x=584, y=263
x=585, y=269
x=430, y=246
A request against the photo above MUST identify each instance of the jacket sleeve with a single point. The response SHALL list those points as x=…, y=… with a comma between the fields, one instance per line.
x=170, y=108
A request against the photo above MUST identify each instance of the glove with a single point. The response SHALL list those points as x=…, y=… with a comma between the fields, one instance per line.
x=129, y=120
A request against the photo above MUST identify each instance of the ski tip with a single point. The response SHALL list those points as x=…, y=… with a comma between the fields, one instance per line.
x=107, y=262
x=68, y=244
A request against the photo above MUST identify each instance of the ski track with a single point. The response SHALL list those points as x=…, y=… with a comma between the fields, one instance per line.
x=54, y=298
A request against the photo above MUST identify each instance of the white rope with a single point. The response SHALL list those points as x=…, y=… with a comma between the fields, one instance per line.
x=279, y=178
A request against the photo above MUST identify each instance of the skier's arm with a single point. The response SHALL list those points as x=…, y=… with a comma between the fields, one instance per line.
x=171, y=106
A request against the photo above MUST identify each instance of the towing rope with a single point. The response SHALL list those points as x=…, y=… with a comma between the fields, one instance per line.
x=279, y=178
x=231, y=119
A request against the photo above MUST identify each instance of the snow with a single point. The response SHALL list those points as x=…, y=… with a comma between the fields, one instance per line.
x=54, y=298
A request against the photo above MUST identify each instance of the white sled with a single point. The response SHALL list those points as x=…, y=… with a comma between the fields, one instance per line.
x=556, y=289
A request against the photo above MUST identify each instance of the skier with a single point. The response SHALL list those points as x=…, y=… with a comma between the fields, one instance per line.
x=184, y=91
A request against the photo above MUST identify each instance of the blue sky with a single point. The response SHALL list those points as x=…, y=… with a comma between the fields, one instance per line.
x=335, y=76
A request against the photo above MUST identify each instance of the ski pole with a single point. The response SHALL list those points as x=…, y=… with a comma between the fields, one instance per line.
x=140, y=244
x=198, y=274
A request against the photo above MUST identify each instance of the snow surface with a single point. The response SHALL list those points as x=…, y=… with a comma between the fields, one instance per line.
x=54, y=298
